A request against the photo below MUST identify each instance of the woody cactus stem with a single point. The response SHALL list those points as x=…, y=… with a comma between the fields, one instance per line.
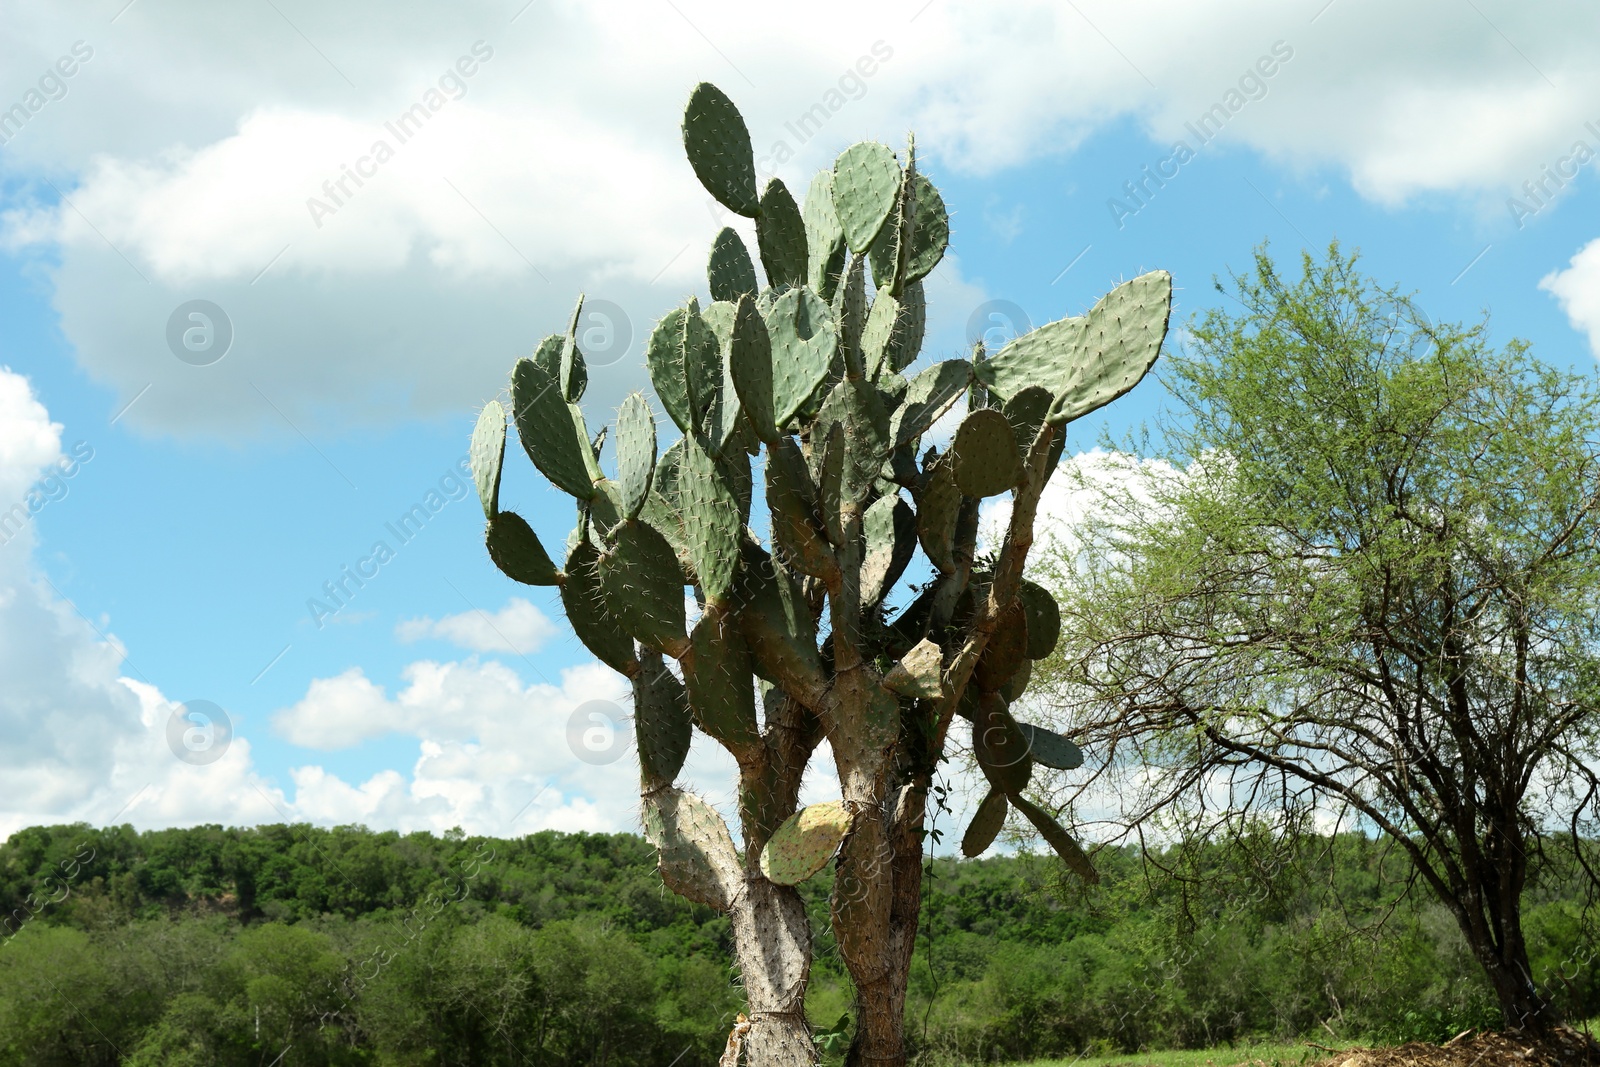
x=814, y=367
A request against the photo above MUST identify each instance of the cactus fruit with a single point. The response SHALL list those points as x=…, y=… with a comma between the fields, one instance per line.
x=808, y=375
x=488, y=453
x=987, y=822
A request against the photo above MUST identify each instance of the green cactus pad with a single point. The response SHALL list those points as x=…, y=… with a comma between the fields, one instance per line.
x=605, y=510
x=1044, y=618
x=781, y=237
x=588, y=614
x=919, y=673
x=938, y=508
x=1027, y=411
x=929, y=396
x=987, y=822
x=877, y=332
x=1091, y=360
x=825, y=247
x=730, y=431
x=1005, y=652
x=574, y=375
x=805, y=843
x=516, y=550
x=661, y=725
x=829, y=461
x=985, y=454
x=890, y=529
x=792, y=500
x=664, y=357
x=548, y=355
x=552, y=430
x=866, y=182
x=693, y=850
x=750, y=366
x=722, y=694
x=910, y=326
x=803, y=347
x=999, y=746
x=702, y=364
x=932, y=234
x=488, y=453
x=636, y=453
x=643, y=587
x=1059, y=839
x=856, y=405
x=730, y=271
x=1017, y=684
x=718, y=145
x=776, y=622
x=850, y=315
x=1050, y=748
x=711, y=521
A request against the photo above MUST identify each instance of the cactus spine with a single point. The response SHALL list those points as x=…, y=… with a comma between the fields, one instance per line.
x=806, y=369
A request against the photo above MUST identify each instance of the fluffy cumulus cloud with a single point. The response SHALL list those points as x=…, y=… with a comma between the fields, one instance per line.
x=1577, y=287
x=390, y=205
x=519, y=628
x=494, y=755
x=89, y=738
x=83, y=741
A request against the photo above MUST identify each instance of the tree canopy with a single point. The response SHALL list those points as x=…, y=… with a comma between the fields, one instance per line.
x=1365, y=588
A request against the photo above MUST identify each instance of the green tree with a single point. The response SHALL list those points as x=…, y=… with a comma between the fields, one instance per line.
x=1368, y=585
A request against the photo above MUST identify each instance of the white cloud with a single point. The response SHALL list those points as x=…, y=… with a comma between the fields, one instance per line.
x=1577, y=287
x=494, y=756
x=519, y=628
x=559, y=166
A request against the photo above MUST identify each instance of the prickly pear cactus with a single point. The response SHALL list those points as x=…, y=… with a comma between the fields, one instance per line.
x=813, y=373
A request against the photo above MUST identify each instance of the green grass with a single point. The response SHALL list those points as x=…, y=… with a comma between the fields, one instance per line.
x=1272, y=1055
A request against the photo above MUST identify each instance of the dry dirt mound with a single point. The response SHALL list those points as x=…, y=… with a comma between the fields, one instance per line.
x=1569, y=1049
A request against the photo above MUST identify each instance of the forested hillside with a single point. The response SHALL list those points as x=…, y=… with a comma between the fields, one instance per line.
x=345, y=946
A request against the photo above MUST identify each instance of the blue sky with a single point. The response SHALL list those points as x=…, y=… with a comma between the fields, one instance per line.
x=185, y=159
